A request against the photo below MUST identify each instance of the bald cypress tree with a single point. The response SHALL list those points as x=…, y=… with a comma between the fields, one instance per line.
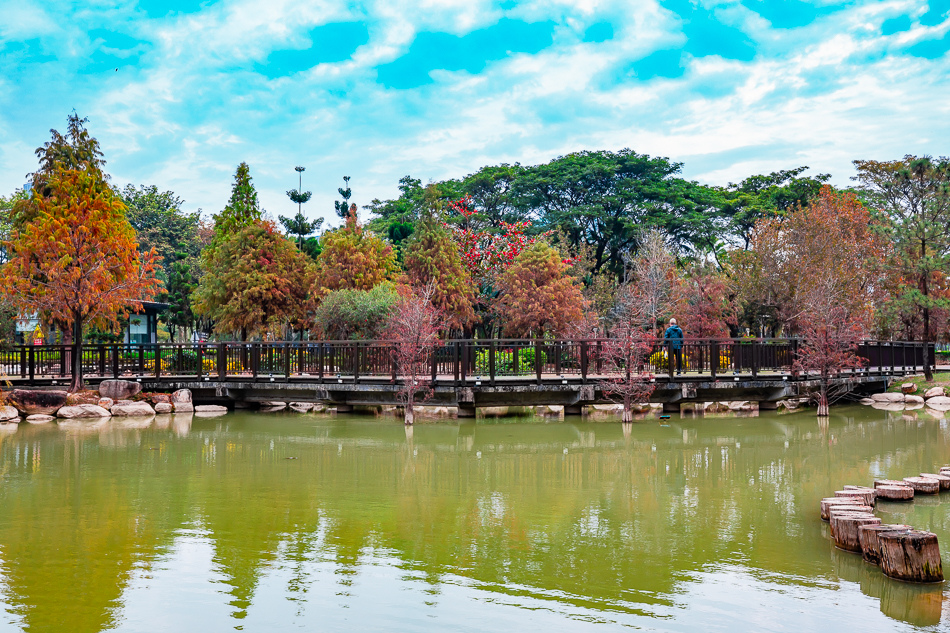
x=433, y=256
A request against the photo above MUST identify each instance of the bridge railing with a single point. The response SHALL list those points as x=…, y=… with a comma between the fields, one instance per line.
x=453, y=360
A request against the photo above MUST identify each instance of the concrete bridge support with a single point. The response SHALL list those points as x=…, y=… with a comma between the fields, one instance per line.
x=466, y=410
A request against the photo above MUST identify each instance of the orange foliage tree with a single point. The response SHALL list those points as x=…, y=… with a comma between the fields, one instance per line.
x=255, y=282
x=77, y=261
x=538, y=296
x=353, y=259
x=831, y=241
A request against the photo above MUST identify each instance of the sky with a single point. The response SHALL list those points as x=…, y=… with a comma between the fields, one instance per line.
x=179, y=92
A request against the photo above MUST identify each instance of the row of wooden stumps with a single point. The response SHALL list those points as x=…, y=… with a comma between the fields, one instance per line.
x=902, y=552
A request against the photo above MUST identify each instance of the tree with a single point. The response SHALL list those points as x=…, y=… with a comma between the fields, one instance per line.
x=413, y=329
x=651, y=279
x=160, y=223
x=352, y=258
x=343, y=208
x=829, y=336
x=832, y=239
x=764, y=196
x=299, y=225
x=77, y=260
x=77, y=149
x=355, y=314
x=242, y=209
x=625, y=354
x=255, y=282
x=432, y=257
x=607, y=199
x=181, y=285
x=537, y=296
x=704, y=307
x=912, y=197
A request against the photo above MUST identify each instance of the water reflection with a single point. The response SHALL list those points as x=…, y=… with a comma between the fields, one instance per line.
x=349, y=520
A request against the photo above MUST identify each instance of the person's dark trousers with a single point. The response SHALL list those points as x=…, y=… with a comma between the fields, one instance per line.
x=678, y=355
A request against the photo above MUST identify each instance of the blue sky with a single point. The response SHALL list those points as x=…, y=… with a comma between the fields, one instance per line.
x=180, y=91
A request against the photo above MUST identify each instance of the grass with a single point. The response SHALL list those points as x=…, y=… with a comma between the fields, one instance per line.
x=941, y=379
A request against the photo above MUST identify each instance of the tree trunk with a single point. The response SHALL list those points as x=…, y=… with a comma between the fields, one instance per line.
x=410, y=415
x=823, y=408
x=77, y=382
x=912, y=556
x=871, y=544
x=627, y=412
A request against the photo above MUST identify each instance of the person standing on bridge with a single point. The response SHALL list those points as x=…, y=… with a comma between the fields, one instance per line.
x=674, y=338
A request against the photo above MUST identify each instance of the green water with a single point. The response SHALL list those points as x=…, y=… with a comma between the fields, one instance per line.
x=273, y=522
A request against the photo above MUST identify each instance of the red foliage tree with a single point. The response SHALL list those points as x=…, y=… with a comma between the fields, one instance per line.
x=704, y=308
x=829, y=336
x=537, y=294
x=625, y=354
x=414, y=328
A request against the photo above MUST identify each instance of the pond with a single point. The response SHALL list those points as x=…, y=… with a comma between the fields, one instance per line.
x=265, y=522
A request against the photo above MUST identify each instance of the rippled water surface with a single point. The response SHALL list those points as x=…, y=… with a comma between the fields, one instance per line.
x=267, y=522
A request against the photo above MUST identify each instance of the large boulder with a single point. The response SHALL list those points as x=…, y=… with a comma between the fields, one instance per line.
x=71, y=412
x=106, y=403
x=119, y=389
x=82, y=397
x=9, y=413
x=181, y=396
x=934, y=392
x=35, y=401
x=133, y=409
x=939, y=400
x=163, y=407
x=210, y=408
x=39, y=418
x=159, y=398
x=888, y=397
x=908, y=387
x=911, y=399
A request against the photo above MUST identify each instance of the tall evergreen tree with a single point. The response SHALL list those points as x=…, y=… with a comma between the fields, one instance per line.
x=433, y=257
x=299, y=225
x=242, y=209
x=343, y=208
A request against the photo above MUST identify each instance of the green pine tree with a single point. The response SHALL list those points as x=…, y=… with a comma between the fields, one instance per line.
x=432, y=255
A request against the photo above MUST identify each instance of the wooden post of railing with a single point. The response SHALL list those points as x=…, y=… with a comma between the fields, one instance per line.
x=455, y=361
x=893, y=359
x=537, y=359
x=141, y=371
x=491, y=361
x=584, y=350
x=287, y=352
x=101, y=349
x=465, y=361
x=23, y=361
x=713, y=357
x=599, y=360
x=200, y=357
x=930, y=354
x=255, y=359
x=320, y=349
x=32, y=364
x=356, y=362
x=557, y=357
x=63, y=354
x=116, y=350
x=158, y=362
x=435, y=363
x=300, y=357
x=755, y=358
x=222, y=361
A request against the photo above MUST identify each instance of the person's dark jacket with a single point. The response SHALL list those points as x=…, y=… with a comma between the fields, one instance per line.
x=675, y=336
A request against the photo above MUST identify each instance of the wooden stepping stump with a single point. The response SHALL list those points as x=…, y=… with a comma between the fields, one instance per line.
x=912, y=555
x=889, y=482
x=828, y=502
x=867, y=495
x=846, y=529
x=836, y=517
x=895, y=493
x=945, y=470
x=923, y=485
x=943, y=479
x=870, y=544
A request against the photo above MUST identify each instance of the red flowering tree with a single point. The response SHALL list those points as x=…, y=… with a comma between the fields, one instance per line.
x=829, y=336
x=487, y=254
x=414, y=328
